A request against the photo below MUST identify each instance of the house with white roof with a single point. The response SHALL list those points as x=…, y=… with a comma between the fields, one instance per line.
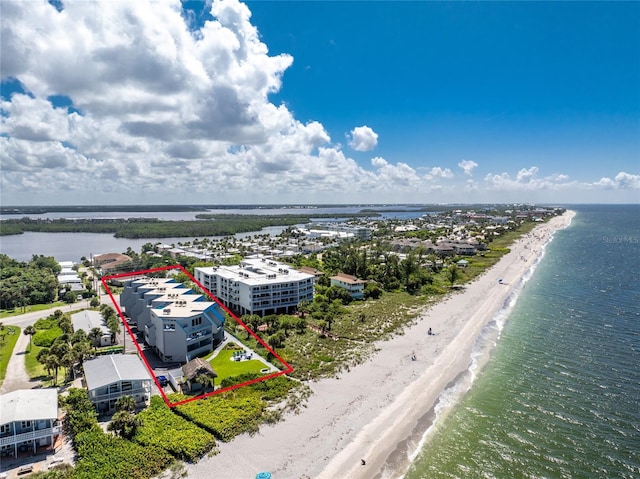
x=28, y=420
x=87, y=320
x=108, y=378
x=258, y=286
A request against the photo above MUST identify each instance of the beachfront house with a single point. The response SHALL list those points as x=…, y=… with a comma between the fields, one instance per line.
x=108, y=378
x=352, y=284
x=28, y=421
x=258, y=286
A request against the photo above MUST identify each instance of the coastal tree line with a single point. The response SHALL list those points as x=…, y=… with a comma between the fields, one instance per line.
x=28, y=282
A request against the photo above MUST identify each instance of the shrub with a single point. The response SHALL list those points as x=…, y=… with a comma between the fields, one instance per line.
x=45, y=337
x=225, y=416
x=46, y=323
x=165, y=429
x=103, y=456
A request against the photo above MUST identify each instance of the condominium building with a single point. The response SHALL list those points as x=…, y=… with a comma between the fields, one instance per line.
x=177, y=323
x=28, y=420
x=110, y=377
x=258, y=286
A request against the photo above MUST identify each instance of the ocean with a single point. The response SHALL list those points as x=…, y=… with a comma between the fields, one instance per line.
x=560, y=395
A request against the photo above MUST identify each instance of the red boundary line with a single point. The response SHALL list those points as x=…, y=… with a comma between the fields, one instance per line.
x=104, y=279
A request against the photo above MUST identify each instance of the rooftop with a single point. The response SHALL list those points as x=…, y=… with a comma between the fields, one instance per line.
x=105, y=370
x=257, y=271
x=29, y=405
x=87, y=320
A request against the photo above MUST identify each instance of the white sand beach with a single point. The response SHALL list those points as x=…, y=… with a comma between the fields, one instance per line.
x=375, y=410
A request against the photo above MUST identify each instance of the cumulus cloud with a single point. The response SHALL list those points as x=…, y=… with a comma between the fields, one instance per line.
x=438, y=172
x=527, y=180
x=468, y=166
x=622, y=181
x=362, y=138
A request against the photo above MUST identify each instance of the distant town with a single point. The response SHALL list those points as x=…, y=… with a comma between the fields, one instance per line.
x=318, y=295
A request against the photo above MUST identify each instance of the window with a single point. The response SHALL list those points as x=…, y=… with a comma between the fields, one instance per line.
x=25, y=425
x=5, y=429
x=127, y=386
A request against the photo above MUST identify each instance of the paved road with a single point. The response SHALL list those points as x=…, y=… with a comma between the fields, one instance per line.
x=17, y=377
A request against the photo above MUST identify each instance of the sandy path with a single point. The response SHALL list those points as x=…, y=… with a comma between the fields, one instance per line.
x=372, y=410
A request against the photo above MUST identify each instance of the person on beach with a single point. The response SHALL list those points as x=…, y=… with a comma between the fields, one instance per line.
x=363, y=462
x=430, y=332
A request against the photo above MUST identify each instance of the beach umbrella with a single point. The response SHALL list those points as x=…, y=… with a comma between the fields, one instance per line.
x=263, y=475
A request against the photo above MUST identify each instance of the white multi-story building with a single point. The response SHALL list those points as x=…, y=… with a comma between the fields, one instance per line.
x=28, y=420
x=176, y=322
x=258, y=286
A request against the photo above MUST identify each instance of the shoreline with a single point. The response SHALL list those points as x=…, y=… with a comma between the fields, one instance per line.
x=379, y=411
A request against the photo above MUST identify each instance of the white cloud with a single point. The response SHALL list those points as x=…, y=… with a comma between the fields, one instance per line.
x=438, y=172
x=468, y=166
x=527, y=180
x=179, y=115
x=362, y=138
x=622, y=181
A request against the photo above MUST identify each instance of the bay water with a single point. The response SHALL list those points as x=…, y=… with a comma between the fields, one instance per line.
x=560, y=394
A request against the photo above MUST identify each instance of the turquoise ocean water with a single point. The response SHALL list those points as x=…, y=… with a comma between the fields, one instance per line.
x=560, y=395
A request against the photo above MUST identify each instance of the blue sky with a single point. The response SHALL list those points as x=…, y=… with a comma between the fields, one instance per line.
x=303, y=102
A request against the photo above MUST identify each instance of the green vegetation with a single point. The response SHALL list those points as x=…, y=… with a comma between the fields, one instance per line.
x=240, y=410
x=151, y=227
x=45, y=337
x=205, y=225
x=103, y=456
x=164, y=429
x=226, y=368
x=23, y=284
x=6, y=313
x=8, y=337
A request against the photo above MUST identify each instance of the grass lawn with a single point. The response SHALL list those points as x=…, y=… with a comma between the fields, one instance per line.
x=225, y=368
x=5, y=313
x=6, y=348
x=35, y=370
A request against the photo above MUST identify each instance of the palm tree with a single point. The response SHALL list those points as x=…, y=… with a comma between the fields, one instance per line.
x=126, y=403
x=453, y=273
x=30, y=331
x=303, y=307
x=41, y=358
x=67, y=360
x=94, y=335
x=125, y=424
x=113, y=323
x=206, y=380
x=80, y=336
x=81, y=350
x=52, y=363
x=65, y=325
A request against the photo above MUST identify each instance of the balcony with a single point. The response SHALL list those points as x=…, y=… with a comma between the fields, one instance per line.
x=30, y=436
